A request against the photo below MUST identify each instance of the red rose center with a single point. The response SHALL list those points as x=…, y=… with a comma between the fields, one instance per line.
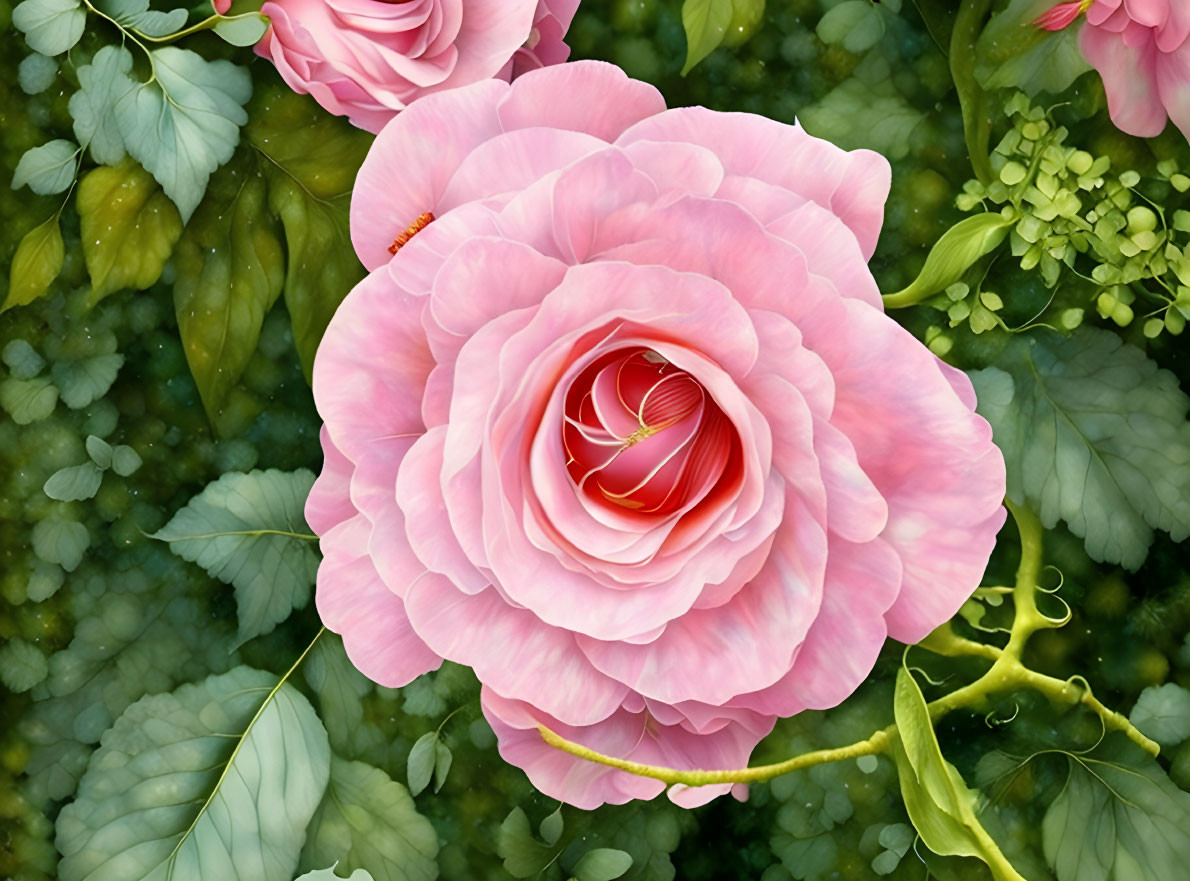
x=641, y=434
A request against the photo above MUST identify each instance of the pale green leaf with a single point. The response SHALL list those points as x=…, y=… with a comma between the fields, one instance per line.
x=102, y=84
x=83, y=382
x=706, y=23
x=939, y=803
x=47, y=169
x=242, y=30
x=1162, y=712
x=129, y=228
x=186, y=122
x=36, y=73
x=125, y=460
x=50, y=26
x=551, y=827
x=28, y=400
x=339, y=687
x=420, y=766
x=154, y=23
x=75, y=483
x=22, y=665
x=1093, y=434
x=22, y=359
x=602, y=864
x=248, y=531
x=1119, y=818
x=443, y=758
x=856, y=25
x=328, y=874
x=859, y=113
x=215, y=780
x=230, y=272
x=368, y=821
x=37, y=262
x=99, y=450
x=61, y=541
x=45, y=580
x=1013, y=53
x=524, y=856
x=958, y=250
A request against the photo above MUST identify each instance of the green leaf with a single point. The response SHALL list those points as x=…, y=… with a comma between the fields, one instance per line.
x=602, y=864
x=125, y=460
x=36, y=73
x=312, y=159
x=22, y=665
x=328, y=874
x=129, y=228
x=61, y=541
x=1118, y=818
x=135, y=15
x=185, y=123
x=85, y=381
x=242, y=30
x=856, y=25
x=1162, y=712
x=368, y=821
x=74, y=484
x=1013, y=53
x=248, y=530
x=45, y=581
x=37, y=262
x=939, y=803
x=47, y=169
x=339, y=686
x=443, y=758
x=860, y=113
x=28, y=400
x=50, y=26
x=706, y=23
x=217, y=779
x=22, y=359
x=230, y=272
x=1094, y=434
x=99, y=450
x=102, y=84
x=958, y=250
x=420, y=766
x=551, y=827
x=524, y=856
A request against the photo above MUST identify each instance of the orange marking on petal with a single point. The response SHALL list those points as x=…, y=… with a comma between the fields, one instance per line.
x=423, y=220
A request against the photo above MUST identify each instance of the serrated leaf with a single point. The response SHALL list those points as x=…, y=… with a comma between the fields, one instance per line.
x=50, y=26
x=1013, y=53
x=1094, y=434
x=22, y=665
x=524, y=856
x=28, y=400
x=242, y=30
x=47, y=169
x=230, y=272
x=75, y=483
x=186, y=122
x=958, y=250
x=248, y=531
x=129, y=228
x=85, y=381
x=37, y=262
x=1118, y=818
x=602, y=864
x=61, y=541
x=217, y=779
x=706, y=23
x=368, y=821
x=939, y=803
x=102, y=84
x=1162, y=712
x=420, y=765
x=339, y=686
x=125, y=460
x=154, y=23
x=99, y=450
x=36, y=73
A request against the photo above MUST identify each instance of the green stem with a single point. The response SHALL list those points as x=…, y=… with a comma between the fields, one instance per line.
x=972, y=98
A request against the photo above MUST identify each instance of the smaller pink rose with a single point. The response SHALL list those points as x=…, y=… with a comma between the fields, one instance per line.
x=368, y=59
x=1141, y=50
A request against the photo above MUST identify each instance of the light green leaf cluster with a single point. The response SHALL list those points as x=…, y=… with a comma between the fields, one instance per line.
x=79, y=482
x=1118, y=817
x=248, y=531
x=366, y=821
x=1093, y=434
x=50, y=26
x=217, y=779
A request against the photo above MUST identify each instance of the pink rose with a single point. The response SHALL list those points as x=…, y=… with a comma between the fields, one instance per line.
x=1140, y=49
x=626, y=430
x=368, y=59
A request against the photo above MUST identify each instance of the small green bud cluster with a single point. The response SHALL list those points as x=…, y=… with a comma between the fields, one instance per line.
x=1072, y=212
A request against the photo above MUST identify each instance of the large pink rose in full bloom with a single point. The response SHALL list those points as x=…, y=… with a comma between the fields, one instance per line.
x=1140, y=48
x=368, y=59
x=626, y=429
